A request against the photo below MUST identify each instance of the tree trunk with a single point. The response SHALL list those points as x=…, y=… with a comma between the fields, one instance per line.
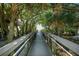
x=11, y=25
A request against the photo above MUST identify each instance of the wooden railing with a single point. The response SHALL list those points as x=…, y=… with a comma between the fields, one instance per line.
x=55, y=42
x=14, y=48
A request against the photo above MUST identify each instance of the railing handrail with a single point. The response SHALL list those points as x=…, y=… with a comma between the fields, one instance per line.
x=58, y=45
x=8, y=48
x=19, y=50
x=70, y=45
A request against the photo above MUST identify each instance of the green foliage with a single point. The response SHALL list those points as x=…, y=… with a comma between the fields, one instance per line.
x=31, y=14
x=68, y=17
x=49, y=16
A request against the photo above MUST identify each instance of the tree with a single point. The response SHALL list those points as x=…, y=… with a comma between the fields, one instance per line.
x=12, y=22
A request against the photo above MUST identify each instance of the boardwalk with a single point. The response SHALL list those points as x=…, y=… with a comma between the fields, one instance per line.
x=39, y=47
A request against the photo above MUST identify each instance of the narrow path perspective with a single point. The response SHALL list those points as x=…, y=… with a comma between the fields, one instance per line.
x=39, y=47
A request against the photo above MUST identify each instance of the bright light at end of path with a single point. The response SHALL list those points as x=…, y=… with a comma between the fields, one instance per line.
x=39, y=27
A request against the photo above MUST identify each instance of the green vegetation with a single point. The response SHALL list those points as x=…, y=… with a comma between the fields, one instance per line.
x=19, y=19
